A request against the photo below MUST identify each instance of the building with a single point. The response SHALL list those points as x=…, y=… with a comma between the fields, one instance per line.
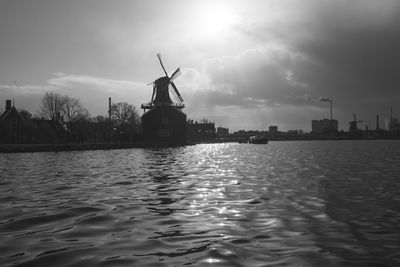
x=324, y=126
x=222, y=131
x=394, y=125
x=200, y=131
x=273, y=129
x=11, y=123
x=164, y=125
x=15, y=129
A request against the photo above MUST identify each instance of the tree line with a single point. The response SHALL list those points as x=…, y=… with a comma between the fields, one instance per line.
x=54, y=105
x=72, y=122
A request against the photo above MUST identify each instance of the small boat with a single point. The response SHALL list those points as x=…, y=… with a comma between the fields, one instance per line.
x=258, y=139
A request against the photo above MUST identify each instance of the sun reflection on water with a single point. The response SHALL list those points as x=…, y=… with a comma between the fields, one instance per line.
x=209, y=204
x=286, y=203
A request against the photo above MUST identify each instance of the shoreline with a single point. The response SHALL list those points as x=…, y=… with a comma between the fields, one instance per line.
x=29, y=148
x=22, y=148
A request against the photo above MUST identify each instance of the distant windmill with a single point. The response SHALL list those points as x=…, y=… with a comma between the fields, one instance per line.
x=353, y=124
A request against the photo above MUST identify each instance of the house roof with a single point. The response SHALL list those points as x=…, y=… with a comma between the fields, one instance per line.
x=7, y=113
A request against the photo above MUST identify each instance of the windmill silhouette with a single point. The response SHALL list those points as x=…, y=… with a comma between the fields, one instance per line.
x=161, y=90
x=354, y=123
x=164, y=123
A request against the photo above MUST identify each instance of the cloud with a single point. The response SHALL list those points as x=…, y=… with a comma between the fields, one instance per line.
x=247, y=87
x=95, y=90
x=274, y=64
x=92, y=91
x=266, y=76
x=349, y=52
x=18, y=90
x=25, y=96
x=353, y=43
x=92, y=83
x=324, y=99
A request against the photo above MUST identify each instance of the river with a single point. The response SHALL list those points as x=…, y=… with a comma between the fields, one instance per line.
x=298, y=203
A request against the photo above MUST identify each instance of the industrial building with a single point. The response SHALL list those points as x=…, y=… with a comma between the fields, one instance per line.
x=221, y=131
x=394, y=124
x=324, y=126
x=273, y=129
x=200, y=131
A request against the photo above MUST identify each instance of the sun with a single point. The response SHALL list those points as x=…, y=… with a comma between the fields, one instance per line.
x=214, y=19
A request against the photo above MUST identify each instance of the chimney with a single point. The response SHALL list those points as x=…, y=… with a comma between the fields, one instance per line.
x=109, y=108
x=391, y=113
x=377, y=122
x=8, y=105
x=391, y=119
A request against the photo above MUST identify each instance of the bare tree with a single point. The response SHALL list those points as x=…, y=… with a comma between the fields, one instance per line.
x=126, y=119
x=25, y=114
x=72, y=108
x=51, y=105
x=204, y=120
x=82, y=115
x=124, y=113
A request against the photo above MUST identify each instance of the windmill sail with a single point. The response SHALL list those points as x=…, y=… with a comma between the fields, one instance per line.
x=161, y=86
x=161, y=90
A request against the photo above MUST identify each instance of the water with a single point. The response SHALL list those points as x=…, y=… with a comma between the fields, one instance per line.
x=281, y=204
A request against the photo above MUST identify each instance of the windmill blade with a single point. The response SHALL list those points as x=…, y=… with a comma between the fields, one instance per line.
x=159, y=58
x=176, y=97
x=154, y=92
x=176, y=74
x=176, y=91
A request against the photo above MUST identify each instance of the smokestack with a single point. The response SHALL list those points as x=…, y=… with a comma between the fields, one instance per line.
x=109, y=108
x=391, y=119
x=324, y=99
x=377, y=122
x=391, y=113
x=8, y=105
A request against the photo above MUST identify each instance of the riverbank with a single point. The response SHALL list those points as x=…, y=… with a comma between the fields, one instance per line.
x=22, y=148
x=19, y=148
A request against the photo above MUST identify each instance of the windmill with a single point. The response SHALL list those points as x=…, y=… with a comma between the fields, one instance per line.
x=164, y=123
x=353, y=124
x=161, y=96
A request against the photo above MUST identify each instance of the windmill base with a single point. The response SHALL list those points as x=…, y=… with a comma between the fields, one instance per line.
x=164, y=126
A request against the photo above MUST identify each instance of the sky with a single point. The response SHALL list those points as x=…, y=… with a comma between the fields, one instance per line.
x=246, y=64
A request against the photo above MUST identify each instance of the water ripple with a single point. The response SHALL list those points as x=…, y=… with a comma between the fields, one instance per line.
x=281, y=204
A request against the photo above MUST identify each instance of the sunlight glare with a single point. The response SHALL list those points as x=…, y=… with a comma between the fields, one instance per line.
x=214, y=19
